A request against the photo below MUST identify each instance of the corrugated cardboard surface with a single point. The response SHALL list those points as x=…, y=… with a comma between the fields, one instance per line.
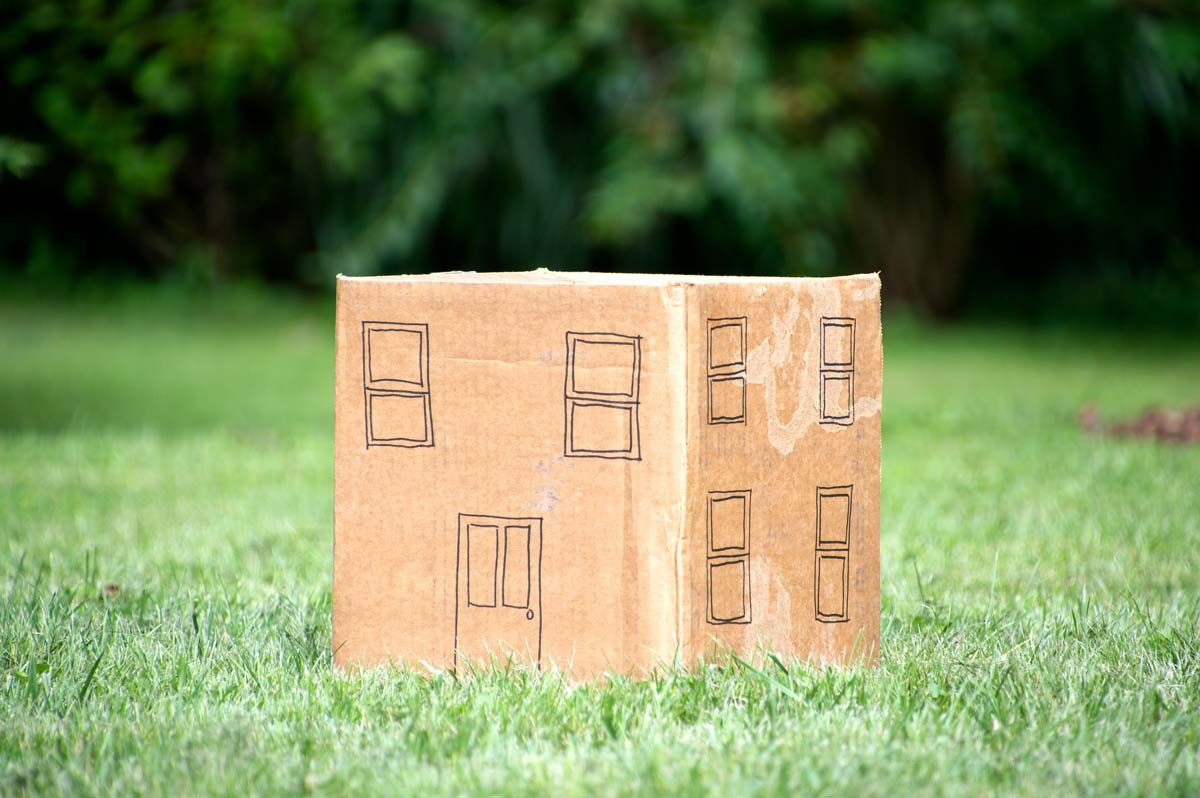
x=786, y=457
x=531, y=465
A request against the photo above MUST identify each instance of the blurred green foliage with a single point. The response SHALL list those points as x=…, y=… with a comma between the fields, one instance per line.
x=962, y=148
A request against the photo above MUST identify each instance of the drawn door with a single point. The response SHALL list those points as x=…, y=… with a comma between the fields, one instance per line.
x=498, y=608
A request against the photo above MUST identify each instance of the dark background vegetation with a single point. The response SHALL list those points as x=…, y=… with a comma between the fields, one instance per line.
x=1019, y=157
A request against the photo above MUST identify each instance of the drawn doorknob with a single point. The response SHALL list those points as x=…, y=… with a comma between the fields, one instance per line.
x=529, y=615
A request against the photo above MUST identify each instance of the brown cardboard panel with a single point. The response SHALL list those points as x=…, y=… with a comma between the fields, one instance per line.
x=808, y=440
x=601, y=472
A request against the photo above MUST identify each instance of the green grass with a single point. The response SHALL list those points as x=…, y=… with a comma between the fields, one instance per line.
x=1041, y=589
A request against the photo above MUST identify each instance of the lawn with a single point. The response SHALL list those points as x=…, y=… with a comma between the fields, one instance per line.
x=165, y=548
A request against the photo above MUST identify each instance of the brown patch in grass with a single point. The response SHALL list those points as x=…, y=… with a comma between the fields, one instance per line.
x=1153, y=423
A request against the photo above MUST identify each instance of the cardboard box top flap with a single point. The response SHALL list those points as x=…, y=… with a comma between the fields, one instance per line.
x=549, y=277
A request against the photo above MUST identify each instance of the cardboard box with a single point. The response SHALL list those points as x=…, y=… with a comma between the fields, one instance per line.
x=599, y=472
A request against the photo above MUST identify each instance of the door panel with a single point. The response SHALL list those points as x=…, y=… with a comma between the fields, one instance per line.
x=516, y=566
x=481, y=564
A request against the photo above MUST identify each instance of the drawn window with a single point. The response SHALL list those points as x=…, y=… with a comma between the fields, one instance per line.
x=601, y=396
x=726, y=365
x=728, y=522
x=833, y=516
x=727, y=345
x=728, y=591
x=837, y=370
x=831, y=587
x=397, y=409
x=837, y=342
x=728, y=556
x=831, y=579
x=837, y=397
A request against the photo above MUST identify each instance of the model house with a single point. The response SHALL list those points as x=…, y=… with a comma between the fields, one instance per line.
x=605, y=472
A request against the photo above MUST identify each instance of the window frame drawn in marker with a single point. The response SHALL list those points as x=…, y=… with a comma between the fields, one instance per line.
x=836, y=375
x=587, y=400
x=380, y=389
x=726, y=376
x=721, y=559
x=831, y=558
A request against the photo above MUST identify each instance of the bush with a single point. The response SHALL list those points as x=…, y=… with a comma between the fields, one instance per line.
x=945, y=143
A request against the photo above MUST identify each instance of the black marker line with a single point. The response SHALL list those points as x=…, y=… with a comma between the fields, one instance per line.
x=498, y=517
x=541, y=543
x=457, y=586
x=504, y=572
x=749, y=601
x=425, y=377
x=637, y=411
x=366, y=411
